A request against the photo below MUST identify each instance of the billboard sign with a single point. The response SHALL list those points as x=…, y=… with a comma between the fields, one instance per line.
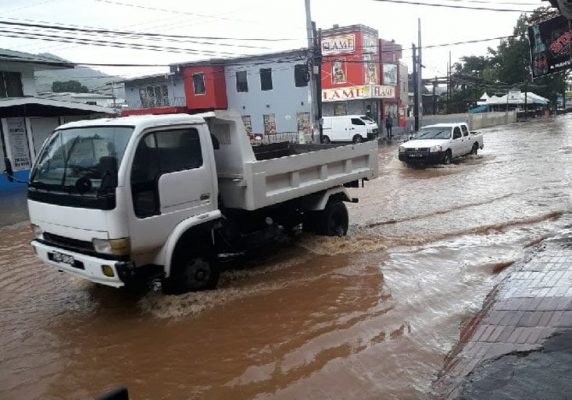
x=550, y=46
x=358, y=93
x=340, y=44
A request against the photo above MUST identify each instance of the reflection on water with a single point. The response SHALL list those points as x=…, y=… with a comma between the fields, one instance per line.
x=371, y=315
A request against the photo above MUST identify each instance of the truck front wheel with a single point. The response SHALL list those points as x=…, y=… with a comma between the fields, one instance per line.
x=192, y=274
x=334, y=220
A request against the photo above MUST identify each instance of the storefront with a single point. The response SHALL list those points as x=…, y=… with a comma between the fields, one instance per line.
x=356, y=100
x=26, y=122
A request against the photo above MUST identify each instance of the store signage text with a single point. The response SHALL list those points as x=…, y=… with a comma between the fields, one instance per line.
x=338, y=44
x=359, y=92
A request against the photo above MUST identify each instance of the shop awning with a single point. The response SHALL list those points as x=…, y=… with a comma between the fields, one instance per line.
x=39, y=107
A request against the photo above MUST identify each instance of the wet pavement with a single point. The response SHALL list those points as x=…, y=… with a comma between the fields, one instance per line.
x=13, y=207
x=520, y=328
x=372, y=315
x=543, y=374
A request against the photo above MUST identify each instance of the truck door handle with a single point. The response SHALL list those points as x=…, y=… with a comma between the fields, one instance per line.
x=205, y=196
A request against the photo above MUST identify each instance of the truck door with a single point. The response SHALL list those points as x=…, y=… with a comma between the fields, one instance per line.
x=467, y=139
x=457, y=142
x=171, y=180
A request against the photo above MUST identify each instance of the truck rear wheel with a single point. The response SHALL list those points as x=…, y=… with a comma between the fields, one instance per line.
x=333, y=220
x=192, y=274
x=475, y=149
x=326, y=139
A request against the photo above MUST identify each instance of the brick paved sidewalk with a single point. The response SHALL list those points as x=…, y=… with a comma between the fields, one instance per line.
x=531, y=304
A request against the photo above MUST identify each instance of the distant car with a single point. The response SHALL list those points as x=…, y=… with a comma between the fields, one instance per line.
x=349, y=128
x=440, y=143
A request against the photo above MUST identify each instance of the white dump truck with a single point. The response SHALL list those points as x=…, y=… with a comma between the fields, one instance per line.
x=163, y=199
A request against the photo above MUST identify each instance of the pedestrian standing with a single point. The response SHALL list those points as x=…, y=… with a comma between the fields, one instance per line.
x=389, y=125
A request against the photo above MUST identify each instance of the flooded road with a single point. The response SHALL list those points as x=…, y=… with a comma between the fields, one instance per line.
x=368, y=316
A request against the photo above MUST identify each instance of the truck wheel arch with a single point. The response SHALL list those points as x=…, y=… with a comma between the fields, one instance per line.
x=318, y=201
x=199, y=226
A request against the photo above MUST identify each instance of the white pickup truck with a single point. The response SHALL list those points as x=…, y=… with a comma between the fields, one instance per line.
x=440, y=143
x=163, y=199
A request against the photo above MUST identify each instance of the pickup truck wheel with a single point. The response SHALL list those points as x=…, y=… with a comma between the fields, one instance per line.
x=192, y=274
x=334, y=220
x=475, y=149
x=447, y=158
x=357, y=139
x=326, y=140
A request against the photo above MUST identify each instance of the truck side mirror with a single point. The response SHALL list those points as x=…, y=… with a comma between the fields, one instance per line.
x=9, y=171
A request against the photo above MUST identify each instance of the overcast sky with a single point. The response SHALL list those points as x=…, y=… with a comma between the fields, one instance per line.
x=260, y=19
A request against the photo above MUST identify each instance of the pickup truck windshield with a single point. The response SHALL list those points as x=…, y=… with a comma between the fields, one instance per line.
x=434, y=133
x=81, y=160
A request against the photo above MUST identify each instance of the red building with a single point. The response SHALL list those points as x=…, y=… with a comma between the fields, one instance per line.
x=354, y=80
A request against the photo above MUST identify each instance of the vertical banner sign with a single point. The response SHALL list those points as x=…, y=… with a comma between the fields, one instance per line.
x=390, y=74
x=247, y=121
x=550, y=46
x=269, y=124
x=18, y=140
x=304, y=123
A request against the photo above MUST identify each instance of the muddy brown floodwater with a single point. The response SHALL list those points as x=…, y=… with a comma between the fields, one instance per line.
x=368, y=316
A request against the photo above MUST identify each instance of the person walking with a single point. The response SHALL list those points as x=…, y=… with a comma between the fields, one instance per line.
x=388, y=126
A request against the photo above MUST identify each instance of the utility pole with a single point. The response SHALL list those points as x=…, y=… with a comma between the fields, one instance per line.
x=419, y=73
x=434, y=98
x=318, y=63
x=312, y=70
x=415, y=88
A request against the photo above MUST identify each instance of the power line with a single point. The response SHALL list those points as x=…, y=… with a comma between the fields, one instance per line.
x=417, y=3
x=106, y=43
x=76, y=28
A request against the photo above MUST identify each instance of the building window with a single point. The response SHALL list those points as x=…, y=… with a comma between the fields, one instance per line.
x=199, y=83
x=266, y=79
x=11, y=84
x=269, y=124
x=247, y=121
x=154, y=96
x=340, y=109
x=241, y=81
x=301, y=75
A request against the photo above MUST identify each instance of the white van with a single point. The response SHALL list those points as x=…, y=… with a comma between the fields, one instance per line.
x=349, y=128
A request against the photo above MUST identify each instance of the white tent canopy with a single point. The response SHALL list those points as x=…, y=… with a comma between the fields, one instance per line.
x=514, y=97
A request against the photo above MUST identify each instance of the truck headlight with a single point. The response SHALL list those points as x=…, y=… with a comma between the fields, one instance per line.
x=37, y=231
x=116, y=247
x=401, y=149
x=435, y=149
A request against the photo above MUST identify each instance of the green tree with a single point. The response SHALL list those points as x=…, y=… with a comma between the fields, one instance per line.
x=69, y=86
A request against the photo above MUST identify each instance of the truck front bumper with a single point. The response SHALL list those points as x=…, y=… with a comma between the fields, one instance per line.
x=82, y=265
x=422, y=157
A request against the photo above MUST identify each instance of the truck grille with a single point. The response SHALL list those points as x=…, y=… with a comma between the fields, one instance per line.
x=423, y=150
x=67, y=243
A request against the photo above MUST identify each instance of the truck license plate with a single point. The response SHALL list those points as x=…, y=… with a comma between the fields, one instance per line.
x=415, y=155
x=63, y=258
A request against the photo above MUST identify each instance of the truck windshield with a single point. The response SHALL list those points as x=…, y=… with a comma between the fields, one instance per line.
x=434, y=133
x=81, y=160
